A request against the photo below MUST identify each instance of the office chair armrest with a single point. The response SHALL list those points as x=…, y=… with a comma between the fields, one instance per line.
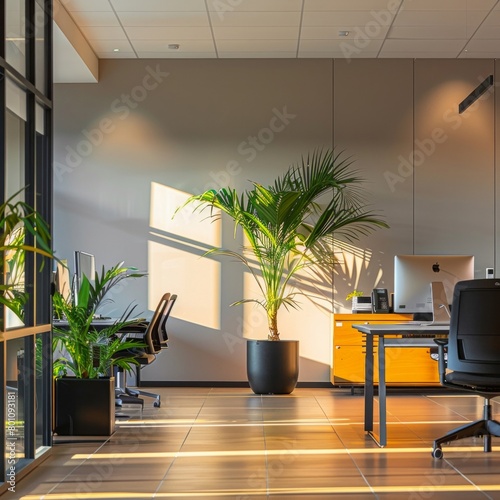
x=442, y=358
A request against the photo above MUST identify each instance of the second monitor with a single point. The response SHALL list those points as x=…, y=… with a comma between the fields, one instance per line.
x=84, y=266
x=413, y=275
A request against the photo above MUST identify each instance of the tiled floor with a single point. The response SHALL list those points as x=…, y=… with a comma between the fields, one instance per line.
x=231, y=444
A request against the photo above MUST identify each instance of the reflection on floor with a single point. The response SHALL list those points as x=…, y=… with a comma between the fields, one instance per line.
x=231, y=444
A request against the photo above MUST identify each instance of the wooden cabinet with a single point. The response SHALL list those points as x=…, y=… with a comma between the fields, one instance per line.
x=404, y=366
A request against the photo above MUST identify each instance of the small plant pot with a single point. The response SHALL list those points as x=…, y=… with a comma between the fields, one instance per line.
x=272, y=366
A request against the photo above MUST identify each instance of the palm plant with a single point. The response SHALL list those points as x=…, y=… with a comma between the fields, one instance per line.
x=290, y=225
x=17, y=220
x=89, y=352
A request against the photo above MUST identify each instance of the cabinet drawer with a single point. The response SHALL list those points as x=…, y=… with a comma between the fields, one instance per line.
x=406, y=366
x=402, y=366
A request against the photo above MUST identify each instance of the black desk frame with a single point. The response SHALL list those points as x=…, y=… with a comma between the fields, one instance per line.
x=408, y=335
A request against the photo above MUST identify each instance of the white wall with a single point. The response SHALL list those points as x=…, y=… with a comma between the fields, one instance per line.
x=130, y=148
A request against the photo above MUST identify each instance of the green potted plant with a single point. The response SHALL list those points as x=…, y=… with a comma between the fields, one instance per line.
x=83, y=368
x=17, y=220
x=290, y=226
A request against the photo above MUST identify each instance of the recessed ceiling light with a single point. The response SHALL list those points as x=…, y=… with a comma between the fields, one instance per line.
x=343, y=33
x=173, y=46
x=116, y=50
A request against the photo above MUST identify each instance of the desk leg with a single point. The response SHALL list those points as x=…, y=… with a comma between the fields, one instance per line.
x=369, y=383
x=382, y=393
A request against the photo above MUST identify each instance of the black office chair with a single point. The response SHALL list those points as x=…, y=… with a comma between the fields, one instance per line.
x=472, y=363
x=155, y=337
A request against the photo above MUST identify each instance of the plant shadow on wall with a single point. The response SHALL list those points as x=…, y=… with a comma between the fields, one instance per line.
x=290, y=227
x=355, y=269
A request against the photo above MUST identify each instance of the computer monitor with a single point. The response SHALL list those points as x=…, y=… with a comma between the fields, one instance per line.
x=84, y=266
x=415, y=274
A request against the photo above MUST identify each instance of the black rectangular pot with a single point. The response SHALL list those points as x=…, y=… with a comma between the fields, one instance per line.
x=84, y=407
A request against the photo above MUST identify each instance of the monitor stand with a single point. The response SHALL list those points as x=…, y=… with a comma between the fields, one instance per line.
x=440, y=309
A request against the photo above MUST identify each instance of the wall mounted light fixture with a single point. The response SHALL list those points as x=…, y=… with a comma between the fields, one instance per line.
x=476, y=94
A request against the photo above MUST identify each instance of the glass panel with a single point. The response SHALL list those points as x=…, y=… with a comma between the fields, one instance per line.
x=15, y=403
x=15, y=43
x=16, y=98
x=40, y=22
x=15, y=181
x=40, y=122
x=43, y=368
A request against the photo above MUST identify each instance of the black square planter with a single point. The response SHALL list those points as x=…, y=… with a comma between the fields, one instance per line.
x=84, y=407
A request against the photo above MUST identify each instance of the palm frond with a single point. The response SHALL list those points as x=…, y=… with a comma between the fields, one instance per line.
x=290, y=225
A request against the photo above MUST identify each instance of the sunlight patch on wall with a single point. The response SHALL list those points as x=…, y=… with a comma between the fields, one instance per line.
x=196, y=280
x=187, y=223
x=175, y=258
x=309, y=323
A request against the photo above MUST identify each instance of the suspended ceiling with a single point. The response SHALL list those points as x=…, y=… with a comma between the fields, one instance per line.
x=287, y=28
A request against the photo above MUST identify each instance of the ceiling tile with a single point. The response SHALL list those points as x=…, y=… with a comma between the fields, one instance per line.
x=418, y=54
x=87, y=5
x=333, y=54
x=351, y=5
x=256, y=19
x=487, y=33
x=141, y=19
x=450, y=5
x=169, y=33
x=332, y=33
x=224, y=6
x=476, y=19
x=358, y=18
x=103, y=33
x=259, y=55
x=483, y=45
x=110, y=45
x=185, y=55
x=493, y=19
x=479, y=55
x=162, y=47
x=256, y=33
x=116, y=55
x=409, y=46
x=346, y=47
x=426, y=32
x=159, y=5
x=83, y=18
x=431, y=18
x=256, y=45
x=482, y=5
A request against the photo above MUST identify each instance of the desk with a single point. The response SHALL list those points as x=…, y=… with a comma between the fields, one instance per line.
x=99, y=323
x=393, y=335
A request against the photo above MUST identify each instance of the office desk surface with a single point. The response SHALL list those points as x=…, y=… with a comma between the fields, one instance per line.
x=100, y=323
x=402, y=329
x=390, y=335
